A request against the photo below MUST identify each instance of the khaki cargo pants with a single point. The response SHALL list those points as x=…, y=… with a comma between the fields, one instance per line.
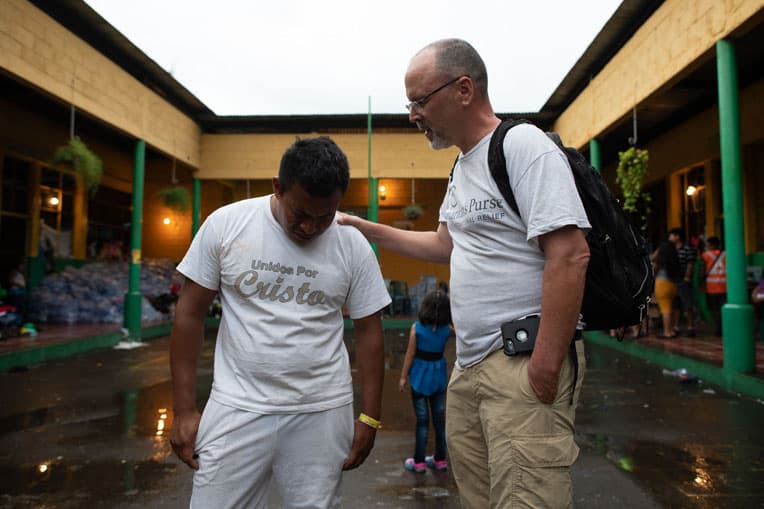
x=507, y=449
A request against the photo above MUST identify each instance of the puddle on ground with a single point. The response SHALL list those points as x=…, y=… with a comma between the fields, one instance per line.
x=688, y=474
x=420, y=492
x=72, y=484
x=657, y=429
x=135, y=412
x=138, y=411
x=84, y=435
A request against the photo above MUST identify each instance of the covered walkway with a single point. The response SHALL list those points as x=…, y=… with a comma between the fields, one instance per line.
x=707, y=349
x=56, y=341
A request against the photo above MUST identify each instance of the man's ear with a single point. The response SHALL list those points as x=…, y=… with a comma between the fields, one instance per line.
x=276, y=186
x=466, y=89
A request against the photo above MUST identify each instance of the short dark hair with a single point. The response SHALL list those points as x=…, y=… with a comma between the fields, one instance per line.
x=714, y=242
x=317, y=164
x=456, y=57
x=435, y=309
x=678, y=232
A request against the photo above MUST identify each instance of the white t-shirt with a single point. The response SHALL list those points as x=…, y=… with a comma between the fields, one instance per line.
x=280, y=344
x=496, y=264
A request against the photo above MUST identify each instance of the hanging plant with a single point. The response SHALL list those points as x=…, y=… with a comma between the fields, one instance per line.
x=84, y=161
x=631, y=171
x=412, y=211
x=175, y=198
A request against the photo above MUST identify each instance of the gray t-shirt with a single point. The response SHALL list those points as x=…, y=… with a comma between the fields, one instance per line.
x=496, y=264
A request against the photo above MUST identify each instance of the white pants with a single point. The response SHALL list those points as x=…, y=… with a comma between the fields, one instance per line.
x=241, y=453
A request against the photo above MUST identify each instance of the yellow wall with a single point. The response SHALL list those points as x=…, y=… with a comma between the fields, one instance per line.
x=35, y=133
x=257, y=156
x=696, y=142
x=678, y=34
x=172, y=241
x=256, y=188
x=37, y=49
x=428, y=193
x=753, y=163
x=697, y=139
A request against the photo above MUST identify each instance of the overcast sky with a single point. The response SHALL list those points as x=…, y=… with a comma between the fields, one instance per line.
x=285, y=57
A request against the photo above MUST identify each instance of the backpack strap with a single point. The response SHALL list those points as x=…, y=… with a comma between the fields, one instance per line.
x=453, y=167
x=497, y=162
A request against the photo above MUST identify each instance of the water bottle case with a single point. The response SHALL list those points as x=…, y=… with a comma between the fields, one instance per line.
x=519, y=336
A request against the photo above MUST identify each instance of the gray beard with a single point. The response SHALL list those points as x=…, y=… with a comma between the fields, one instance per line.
x=439, y=143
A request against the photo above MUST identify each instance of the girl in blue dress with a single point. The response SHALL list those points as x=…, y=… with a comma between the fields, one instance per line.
x=424, y=368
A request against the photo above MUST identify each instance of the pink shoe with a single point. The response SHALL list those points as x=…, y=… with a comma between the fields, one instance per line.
x=440, y=465
x=418, y=468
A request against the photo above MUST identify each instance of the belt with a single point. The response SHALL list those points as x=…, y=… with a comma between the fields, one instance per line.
x=428, y=356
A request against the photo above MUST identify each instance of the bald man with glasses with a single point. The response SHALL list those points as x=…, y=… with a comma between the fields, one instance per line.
x=509, y=419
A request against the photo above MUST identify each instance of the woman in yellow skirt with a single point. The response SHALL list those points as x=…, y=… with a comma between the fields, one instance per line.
x=667, y=276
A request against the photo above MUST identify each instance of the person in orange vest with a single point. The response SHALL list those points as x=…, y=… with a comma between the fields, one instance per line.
x=716, y=280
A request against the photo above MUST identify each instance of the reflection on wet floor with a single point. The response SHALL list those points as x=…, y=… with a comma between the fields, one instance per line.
x=704, y=476
x=78, y=474
x=685, y=445
x=90, y=479
x=139, y=412
x=91, y=443
x=694, y=470
x=419, y=493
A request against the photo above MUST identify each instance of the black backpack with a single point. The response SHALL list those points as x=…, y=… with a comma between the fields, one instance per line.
x=619, y=279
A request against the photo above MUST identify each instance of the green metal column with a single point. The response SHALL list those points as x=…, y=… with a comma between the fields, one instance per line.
x=133, y=298
x=737, y=314
x=373, y=205
x=594, y=154
x=196, y=209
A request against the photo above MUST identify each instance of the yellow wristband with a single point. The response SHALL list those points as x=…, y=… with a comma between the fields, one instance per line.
x=370, y=421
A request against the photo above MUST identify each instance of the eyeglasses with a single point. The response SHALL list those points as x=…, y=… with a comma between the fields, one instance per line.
x=419, y=103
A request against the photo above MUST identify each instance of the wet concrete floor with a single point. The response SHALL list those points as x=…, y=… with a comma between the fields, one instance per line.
x=92, y=431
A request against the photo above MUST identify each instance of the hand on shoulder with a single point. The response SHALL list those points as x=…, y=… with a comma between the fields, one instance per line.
x=348, y=219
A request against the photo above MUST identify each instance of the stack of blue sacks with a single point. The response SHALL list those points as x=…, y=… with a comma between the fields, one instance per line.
x=95, y=293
